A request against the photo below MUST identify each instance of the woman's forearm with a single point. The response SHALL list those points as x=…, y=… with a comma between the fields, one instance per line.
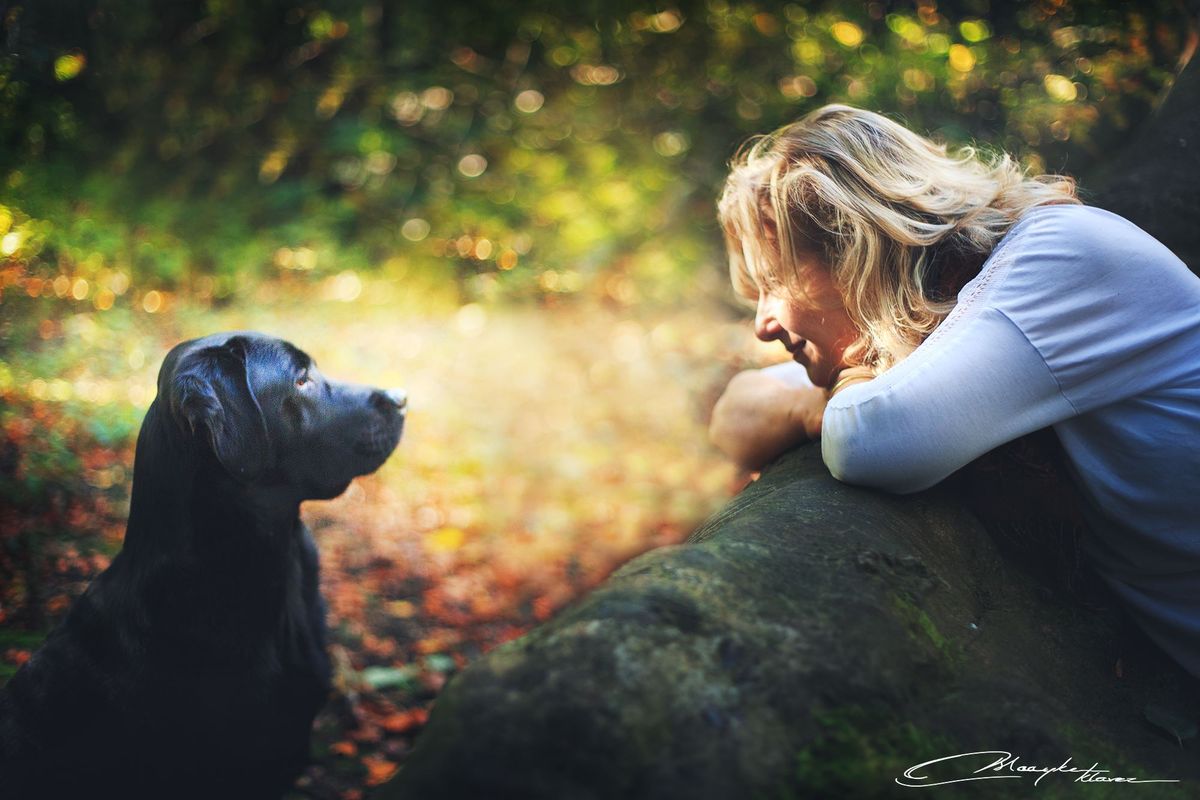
x=948, y=403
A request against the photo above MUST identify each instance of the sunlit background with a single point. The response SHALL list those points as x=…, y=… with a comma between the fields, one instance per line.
x=506, y=208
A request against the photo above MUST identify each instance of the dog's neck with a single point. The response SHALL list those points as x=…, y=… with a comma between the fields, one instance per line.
x=213, y=559
x=185, y=505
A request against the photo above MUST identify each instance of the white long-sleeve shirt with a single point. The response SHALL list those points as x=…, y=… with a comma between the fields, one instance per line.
x=1079, y=320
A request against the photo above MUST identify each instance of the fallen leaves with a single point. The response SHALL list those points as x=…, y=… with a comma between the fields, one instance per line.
x=17, y=656
x=404, y=721
x=379, y=770
x=446, y=540
x=344, y=748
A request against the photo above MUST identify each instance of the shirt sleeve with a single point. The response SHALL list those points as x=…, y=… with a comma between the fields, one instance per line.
x=974, y=384
x=1074, y=310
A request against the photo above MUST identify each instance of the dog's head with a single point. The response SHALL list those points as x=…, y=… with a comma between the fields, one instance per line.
x=270, y=418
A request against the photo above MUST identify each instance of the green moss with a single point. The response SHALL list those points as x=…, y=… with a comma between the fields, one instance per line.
x=925, y=629
x=860, y=753
x=1086, y=749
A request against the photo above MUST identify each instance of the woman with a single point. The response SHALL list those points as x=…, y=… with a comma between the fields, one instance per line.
x=942, y=305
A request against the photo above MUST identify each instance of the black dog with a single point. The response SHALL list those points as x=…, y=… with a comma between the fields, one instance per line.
x=194, y=665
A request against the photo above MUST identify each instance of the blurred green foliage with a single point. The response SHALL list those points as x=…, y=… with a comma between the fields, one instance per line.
x=490, y=150
x=161, y=157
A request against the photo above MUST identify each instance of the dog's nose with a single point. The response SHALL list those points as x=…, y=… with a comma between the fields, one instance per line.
x=398, y=397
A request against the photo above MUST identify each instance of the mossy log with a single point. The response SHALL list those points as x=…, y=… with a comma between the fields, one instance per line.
x=811, y=640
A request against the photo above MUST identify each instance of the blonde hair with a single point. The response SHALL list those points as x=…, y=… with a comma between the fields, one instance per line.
x=899, y=223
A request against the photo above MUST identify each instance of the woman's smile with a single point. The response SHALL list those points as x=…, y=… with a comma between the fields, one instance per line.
x=815, y=329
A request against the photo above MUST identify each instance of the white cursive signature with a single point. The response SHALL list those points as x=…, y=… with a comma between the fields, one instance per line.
x=1005, y=762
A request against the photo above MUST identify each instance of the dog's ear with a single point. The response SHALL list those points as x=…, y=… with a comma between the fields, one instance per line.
x=212, y=394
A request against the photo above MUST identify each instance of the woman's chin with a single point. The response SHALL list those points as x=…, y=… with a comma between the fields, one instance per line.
x=820, y=374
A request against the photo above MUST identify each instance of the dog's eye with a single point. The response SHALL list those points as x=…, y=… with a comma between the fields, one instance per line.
x=303, y=381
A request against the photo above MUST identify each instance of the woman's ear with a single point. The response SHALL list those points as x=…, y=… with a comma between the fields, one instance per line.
x=211, y=391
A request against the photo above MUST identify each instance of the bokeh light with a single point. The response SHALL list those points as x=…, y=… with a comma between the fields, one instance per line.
x=472, y=165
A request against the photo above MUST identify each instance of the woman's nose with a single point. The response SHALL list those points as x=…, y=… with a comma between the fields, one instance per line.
x=766, y=326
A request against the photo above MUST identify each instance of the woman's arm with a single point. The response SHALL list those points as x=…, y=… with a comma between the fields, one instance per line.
x=765, y=412
x=969, y=388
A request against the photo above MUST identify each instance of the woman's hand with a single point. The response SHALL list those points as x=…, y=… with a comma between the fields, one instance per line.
x=759, y=417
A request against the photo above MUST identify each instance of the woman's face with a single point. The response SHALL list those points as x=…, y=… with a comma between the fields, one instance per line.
x=815, y=328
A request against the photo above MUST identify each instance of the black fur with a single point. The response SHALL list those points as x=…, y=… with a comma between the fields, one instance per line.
x=194, y=665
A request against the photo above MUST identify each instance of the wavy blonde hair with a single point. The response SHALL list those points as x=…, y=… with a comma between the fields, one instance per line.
x=900, y=224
